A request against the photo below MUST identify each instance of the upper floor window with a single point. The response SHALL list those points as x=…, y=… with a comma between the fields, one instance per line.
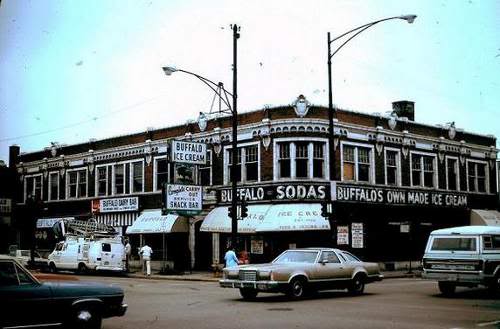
x=423, y=170
x=53, y=186
x=357, y=163
x=120, y=178
x=34, y=187
x=247, y=163
x=452, y=174
x=300, y=159
x=477, y=176
x=76, y=183
x=392, y=167
x=161, y=172
x=205, y=171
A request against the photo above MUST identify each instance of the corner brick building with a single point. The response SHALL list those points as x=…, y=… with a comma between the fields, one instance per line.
x=394, y=180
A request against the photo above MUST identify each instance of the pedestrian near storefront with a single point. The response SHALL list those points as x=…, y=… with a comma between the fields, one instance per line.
x=128, y=252
x=146, y=253
x=230, y=257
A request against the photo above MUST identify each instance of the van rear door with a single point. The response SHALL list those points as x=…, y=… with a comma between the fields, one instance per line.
x=106, y=254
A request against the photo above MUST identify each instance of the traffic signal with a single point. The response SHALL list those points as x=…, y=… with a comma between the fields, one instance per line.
x=324, y=209
x=230, y=212
x=244, y=209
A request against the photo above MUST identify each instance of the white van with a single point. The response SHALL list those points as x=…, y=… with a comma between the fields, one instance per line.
x=463, y=256
x=82, y=254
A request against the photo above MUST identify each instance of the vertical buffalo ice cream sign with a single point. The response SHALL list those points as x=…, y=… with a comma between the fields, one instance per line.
x=183, y=198
x=189, y=152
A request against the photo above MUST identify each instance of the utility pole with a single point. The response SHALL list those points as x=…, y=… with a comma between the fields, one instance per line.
x=234, y=204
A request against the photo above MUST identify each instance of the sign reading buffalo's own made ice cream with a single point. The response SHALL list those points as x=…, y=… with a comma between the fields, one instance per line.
x=399, y=196
x=116, y=205
x=183, y=197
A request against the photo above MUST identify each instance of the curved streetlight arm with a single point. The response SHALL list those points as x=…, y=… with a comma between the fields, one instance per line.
x=360, y=29
x=212, y=85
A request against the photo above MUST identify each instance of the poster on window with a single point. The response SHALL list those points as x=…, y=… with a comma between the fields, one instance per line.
x=357, y=235
x=257, y=246
x=342, y=235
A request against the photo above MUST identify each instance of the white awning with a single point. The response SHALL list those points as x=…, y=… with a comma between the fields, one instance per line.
x=294, y=217
x=49, y=222
x=117, y=219
x=484, y=217
x=218, y=220
x=152, y=221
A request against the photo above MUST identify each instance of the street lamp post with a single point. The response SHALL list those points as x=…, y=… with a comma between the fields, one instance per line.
x=222, y=93
x=351, y=34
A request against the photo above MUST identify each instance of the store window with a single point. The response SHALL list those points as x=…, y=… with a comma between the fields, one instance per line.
x=452, y=174
x=247, y=164
x=423, y=170
x=119, y=179
x=477, y=176
x=300, y=159
x=205, y=171
x=76, y=184
x=392, y=167
x=137, y=177
x=53, y=186
x=34, y=187
x=357, y=163
x=160, y=173
x=102, y=174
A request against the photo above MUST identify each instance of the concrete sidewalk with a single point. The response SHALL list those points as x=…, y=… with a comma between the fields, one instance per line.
x=210, y=277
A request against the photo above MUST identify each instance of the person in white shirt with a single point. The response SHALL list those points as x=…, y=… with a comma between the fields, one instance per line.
x=146, y=252
x=128, y=252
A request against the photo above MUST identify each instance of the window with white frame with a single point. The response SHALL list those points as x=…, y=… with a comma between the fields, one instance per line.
x=120, y=178
x=423, y=170
x=302, y=159
x=53, y=186
x=205, y=171
x=33, y=187
x=392, y=167
x=247, y=164
x=357, y=163
x=477, y=176
x=452, y=174
x=76, y=184
x=161, y=175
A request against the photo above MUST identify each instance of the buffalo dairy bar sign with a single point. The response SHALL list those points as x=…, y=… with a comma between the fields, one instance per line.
x=353, y=193
x=117, y=205
x=284, y=192
x=189, y=152
x=183, y=197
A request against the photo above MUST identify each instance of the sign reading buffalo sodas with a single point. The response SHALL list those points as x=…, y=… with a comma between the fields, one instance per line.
x=284, y=192
x=189, y=152
x=183, y=198
x=367, y=194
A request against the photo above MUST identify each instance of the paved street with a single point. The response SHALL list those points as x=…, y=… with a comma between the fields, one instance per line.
x=395, y=303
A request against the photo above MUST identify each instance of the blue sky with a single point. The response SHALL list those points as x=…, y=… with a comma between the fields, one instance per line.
x=75, y=70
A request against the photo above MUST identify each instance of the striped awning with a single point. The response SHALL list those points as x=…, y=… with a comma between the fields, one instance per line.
x=117, y=218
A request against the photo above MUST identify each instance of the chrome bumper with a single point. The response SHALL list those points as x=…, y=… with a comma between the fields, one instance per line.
x=258, y=285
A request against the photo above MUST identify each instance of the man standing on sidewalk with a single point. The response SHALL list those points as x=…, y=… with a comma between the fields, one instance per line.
x=128, y=251
x=146, y=252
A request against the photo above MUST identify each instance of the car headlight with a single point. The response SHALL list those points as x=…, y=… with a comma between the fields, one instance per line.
x=265, y=275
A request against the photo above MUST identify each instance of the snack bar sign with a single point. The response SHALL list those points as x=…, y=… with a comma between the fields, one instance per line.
x=189, y=152
x=183, y=197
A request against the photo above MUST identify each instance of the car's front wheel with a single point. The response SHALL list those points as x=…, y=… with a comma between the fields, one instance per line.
x=86, y=317
x=297, y=288
x=248, y=293
x=357, y=286
x=446, y=288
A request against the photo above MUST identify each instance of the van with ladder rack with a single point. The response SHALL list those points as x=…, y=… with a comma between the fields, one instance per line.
x=87, y=246
x=467, y=256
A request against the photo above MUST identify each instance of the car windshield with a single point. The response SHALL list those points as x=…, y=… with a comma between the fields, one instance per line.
x=454, y=244
x=297, y=256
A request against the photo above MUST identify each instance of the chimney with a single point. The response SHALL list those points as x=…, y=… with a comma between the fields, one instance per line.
x=404, y=109
x=14, y=151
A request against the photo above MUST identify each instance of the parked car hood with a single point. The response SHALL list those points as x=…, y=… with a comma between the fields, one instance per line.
x=269, y=266
x=71, y=288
